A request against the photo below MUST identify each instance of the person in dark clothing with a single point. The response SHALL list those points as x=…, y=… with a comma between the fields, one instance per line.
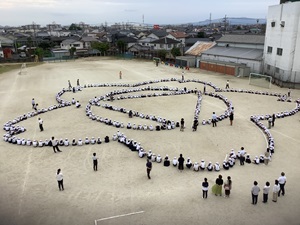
x=273, y=119
x=149, y=168
x=195, y=125
x=231, y=118
x=182, y=124
x=204, y=188
x=180, y=163
x=217, y=188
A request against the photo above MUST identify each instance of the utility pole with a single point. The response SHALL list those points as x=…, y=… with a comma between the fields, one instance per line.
x=225, y=24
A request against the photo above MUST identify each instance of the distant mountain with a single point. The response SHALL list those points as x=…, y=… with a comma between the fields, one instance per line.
x=232, y=21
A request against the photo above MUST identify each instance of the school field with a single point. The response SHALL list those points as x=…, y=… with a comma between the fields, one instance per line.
x=120, y=192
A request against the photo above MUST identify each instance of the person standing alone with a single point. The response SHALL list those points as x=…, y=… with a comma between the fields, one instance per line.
x=149, y=168
x=55, y=145
x=120, y=75
x=33, y=103
x=41, y=124
x=182, y=124
x=227, y=84
x=231, y=118
x=214, y=119
x=95, y=162
x=282, y=181
x=60, y=180
x=204, y=188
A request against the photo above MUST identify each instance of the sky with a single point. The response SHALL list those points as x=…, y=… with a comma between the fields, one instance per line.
x=97, y=12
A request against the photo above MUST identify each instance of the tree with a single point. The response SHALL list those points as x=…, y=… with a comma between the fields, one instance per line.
x=102, y=47
x=46, y=45
x=73, y=26
x=201, y=34
x=162, y=54
x=40, y=53
x=175, y=52
x=121, y=45
x=72, y=51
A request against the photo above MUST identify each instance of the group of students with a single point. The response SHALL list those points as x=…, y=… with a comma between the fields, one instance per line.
x=277, y=190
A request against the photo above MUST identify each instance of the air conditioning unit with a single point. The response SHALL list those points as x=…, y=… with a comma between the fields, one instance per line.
x=282, y=23
x=273, y=24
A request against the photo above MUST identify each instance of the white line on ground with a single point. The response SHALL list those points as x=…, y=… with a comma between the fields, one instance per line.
x=25, y=180
x=122, y=215
x=285, y=135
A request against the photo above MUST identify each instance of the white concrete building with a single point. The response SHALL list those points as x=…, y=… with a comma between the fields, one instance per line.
x=282, y=44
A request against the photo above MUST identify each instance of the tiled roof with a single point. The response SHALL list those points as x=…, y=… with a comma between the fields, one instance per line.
x=165, y=41
x=179, y=34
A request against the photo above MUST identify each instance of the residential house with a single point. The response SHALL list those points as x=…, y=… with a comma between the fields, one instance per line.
x=157, y=34
x=87, y=41
x=178, y=35
x=235, y=55
x=164, y=44
x=139, y=50
x=69, y=43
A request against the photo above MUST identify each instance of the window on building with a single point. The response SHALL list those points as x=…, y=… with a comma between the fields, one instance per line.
x=76, y=45
x=169, y=46
x=268, y=67
x=277, y=70
x=270, y=49
x=273, y=24
x=161, y=45
x=279, y=51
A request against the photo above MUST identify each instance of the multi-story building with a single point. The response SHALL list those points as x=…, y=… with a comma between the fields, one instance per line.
x=282, y=43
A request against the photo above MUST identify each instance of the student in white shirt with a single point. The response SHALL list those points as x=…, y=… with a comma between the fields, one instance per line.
x=153, y=157
x=141, y=153
x=95, y=162
x=41, y=143
x=217, y=166
x=149, y=155
x=66, y=142
x=196, y=167
x=80, y=142
x=210, y=166
x=158, y=158
x=202, y=165
x=282, y=182
x=34, y=143
x=59, y=178
x=175, y=161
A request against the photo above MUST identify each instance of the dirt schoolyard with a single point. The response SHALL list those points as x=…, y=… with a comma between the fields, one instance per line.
x=120, y=192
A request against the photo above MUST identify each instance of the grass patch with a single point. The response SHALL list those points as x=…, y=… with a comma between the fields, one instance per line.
x=9, y=67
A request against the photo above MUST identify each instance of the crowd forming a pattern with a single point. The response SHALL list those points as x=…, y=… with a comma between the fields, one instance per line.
x=134, y=91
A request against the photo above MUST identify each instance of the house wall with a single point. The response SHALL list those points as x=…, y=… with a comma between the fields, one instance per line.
x=255, y=66
x=285, y=67
x=218, y=68
x=238, y=45
x=76, y=44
